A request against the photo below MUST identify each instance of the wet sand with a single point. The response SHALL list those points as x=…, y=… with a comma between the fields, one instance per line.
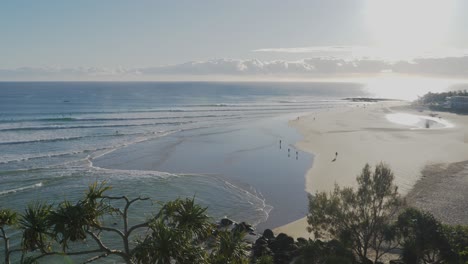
x=363, y=135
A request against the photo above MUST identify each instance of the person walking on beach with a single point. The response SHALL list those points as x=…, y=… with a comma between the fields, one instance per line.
x=336, y=156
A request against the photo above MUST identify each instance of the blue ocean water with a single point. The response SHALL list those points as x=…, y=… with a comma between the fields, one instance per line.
x=218, y=142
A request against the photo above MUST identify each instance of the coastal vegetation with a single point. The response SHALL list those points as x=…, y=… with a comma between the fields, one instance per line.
x=350, y=225
x=373, y=221
x=439, y=98
x=444, y=101
x=359, y=218
x=178, y=232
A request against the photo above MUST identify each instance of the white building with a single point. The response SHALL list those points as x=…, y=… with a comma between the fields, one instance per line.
x=458, y=102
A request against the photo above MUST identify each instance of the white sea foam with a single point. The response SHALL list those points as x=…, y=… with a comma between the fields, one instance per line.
x=418, y=121
x=256, y=200
x=24, y=188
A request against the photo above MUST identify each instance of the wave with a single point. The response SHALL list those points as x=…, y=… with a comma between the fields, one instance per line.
x=20, y=189
x=79, y=119
x=186, y=108
x=63, y=154
x=256, y=196
x=110, y=148
x=117, y=173
x=90, y=126
x=49, y=140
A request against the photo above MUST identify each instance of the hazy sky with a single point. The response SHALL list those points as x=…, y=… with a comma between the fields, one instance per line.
x=113, y=37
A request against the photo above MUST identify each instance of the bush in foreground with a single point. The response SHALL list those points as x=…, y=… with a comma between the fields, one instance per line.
x=179, y=232
x=360, y=218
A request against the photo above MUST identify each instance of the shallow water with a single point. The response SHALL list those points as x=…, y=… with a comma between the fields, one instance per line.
x=219, y=142
x=247, y=155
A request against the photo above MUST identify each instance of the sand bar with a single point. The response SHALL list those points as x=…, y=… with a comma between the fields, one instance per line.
x=363, y=135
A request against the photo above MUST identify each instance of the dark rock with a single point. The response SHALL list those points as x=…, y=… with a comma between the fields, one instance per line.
x=268, y=234
x=226, y=222
x=396, y=261
x=243, y=227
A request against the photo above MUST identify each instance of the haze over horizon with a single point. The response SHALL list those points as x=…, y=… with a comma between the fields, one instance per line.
x=243, y=40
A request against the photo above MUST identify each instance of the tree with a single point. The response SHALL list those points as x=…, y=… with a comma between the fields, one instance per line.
x=176, y=233
x=458, y=239
x=230, y=248
x=319, y=252
x=7, y=218
x=360, y=218
x=424, y=239
x=179, y=232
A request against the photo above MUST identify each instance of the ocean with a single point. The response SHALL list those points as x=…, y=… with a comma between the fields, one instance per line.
x=217, y=142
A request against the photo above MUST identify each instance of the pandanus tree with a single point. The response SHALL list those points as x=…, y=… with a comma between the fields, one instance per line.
x=7, y=218
x=179, y=232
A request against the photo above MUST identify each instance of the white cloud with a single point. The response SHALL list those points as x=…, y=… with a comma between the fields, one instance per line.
x=382, y=53
x=316, y=49
x=325, y=67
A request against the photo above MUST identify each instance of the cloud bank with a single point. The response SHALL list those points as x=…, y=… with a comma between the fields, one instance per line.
x=326, y=67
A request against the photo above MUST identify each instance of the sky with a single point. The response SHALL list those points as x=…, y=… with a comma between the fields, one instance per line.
x=229, y=40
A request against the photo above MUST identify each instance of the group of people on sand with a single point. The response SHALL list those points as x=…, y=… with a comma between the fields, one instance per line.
x=289, y=151
x=297, y=153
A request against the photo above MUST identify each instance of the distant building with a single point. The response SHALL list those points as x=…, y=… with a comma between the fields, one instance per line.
x=458, y=102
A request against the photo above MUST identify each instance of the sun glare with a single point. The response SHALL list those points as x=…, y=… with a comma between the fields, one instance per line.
x=405, y=28
x=405, y=88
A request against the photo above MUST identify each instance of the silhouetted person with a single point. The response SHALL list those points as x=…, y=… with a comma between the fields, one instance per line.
x=336, y=156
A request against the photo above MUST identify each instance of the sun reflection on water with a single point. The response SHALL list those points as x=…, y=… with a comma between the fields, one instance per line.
x=405, y=88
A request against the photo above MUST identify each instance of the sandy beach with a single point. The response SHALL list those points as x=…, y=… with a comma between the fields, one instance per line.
x=367, y=134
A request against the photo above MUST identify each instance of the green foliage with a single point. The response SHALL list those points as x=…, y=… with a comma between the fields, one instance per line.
x=185, y=214
x=178, y=233
x=424, y=240
x=8, y=218
x=457, y=237
x=331, y=252
x=360, y=218
x=69, y=223
x=35, y=225
x=265, y=259
x=166, y=244
x=94, y=206
x=230, y=248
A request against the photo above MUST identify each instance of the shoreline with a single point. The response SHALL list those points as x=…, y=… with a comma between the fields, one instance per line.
x=363, y=135
x=244, y=156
